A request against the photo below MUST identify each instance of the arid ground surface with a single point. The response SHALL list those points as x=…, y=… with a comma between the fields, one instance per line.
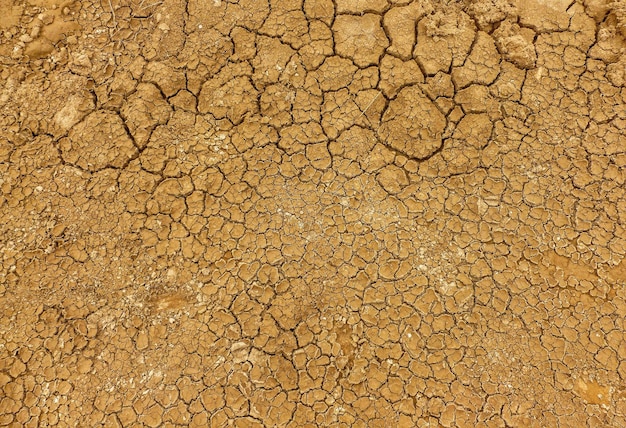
x=299, y=213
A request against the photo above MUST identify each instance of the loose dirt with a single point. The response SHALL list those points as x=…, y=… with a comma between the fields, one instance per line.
x=298, y=213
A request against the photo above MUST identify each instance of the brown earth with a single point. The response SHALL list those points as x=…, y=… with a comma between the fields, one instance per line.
x=298, y=213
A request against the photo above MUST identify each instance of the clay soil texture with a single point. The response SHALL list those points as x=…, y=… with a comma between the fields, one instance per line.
x=313, y=213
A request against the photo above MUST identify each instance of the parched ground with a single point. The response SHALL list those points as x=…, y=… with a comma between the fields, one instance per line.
x=300, y=213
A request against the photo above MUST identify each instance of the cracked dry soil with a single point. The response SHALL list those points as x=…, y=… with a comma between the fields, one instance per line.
x=300, y=213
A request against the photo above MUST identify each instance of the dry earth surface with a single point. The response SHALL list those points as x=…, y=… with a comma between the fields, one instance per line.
x=299, y=213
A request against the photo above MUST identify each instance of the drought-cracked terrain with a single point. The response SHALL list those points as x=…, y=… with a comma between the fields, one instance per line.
x=303, y=213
